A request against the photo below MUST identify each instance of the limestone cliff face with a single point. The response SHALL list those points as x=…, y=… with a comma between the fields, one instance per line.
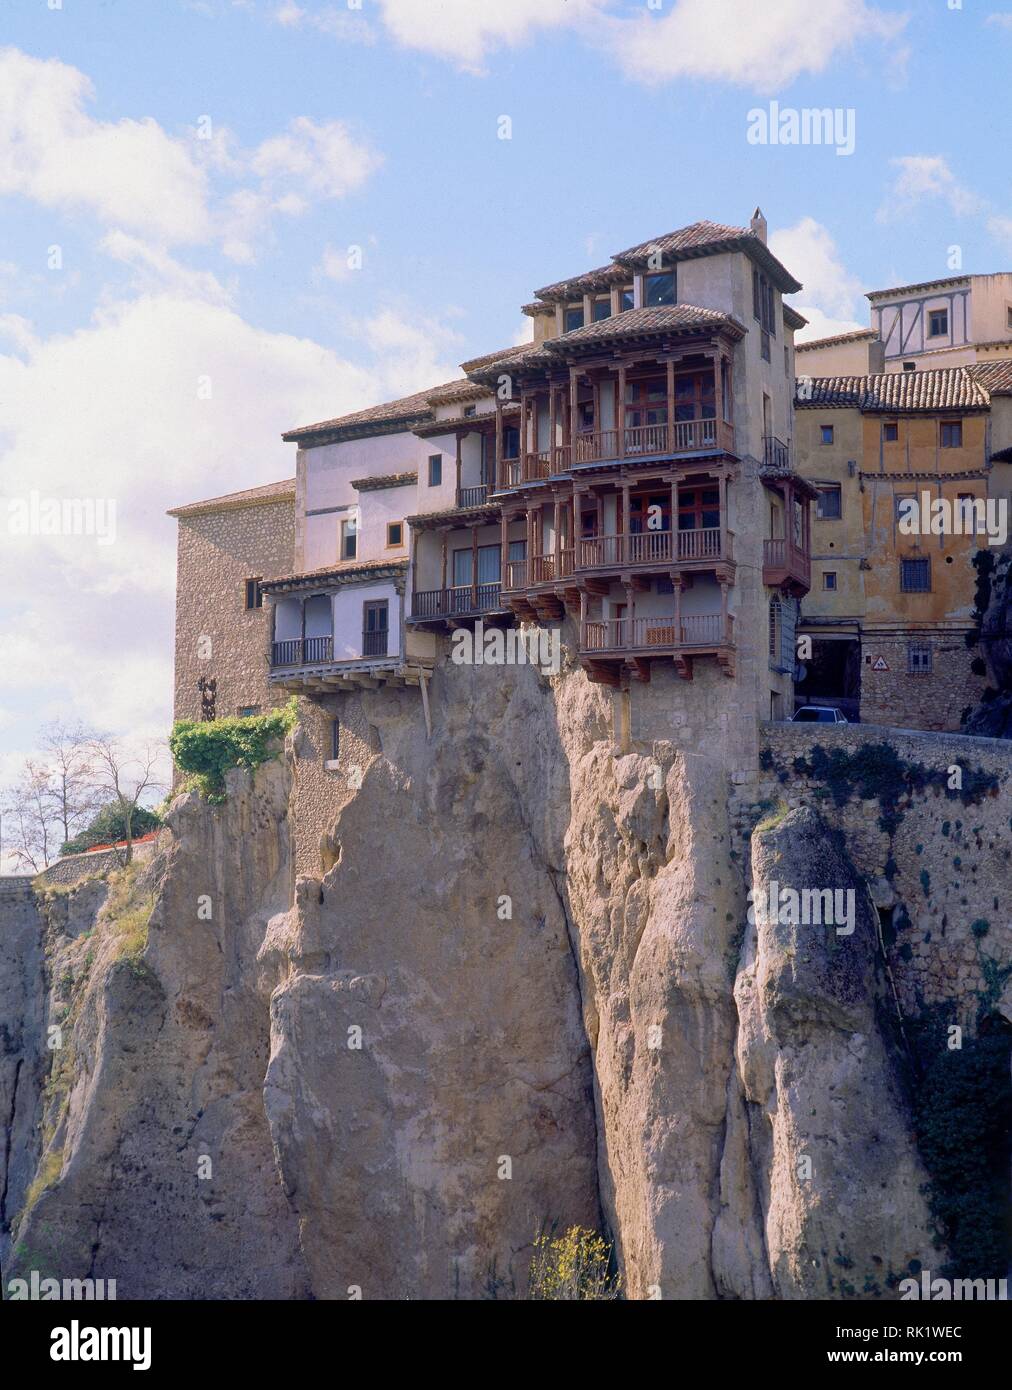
x=517, y=995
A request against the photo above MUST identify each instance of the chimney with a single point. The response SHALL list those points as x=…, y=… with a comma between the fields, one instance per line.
x=758, y=225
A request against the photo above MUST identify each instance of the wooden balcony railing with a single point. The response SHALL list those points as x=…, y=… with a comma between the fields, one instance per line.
x=544, y=568
x=472, y=496
x=516, y=574
x=783, y=559
x=456, y=600
x=591, y=446
x=374, y=643
x=654, y=548
x=642, y=634
x=299, y=651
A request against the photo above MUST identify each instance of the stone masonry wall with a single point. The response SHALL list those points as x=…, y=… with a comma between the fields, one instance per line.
x=936, y=872
x=218, y=551
x=935, y=700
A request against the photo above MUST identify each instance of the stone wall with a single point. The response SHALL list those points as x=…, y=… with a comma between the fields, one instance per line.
x=74, y=868
x=216, y=635
x=936, y=858
x=935, y=700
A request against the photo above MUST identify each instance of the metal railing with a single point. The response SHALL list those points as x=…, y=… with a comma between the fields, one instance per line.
x=776, y=454
x=374, y=643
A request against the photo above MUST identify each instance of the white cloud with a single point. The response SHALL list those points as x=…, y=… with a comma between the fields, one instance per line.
x=112, y=411
x=831, y=297
x=126, y=172
x=926, y=176
x=338, y=23
x=1000, y=228
x=322, y=159
x=464, y=31
x=765, y=46
x=156, y=271
x=1001, y=19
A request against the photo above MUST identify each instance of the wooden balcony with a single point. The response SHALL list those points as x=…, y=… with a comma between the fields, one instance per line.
x=633, y=642
x=472, y=496
x=787, y=565
x=707, y=546
x=603, y=446
x=458, y=601
x=302, y=651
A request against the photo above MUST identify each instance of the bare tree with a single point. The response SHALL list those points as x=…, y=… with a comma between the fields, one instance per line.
x=28, y=810
x=124, y=777
x=73, y=794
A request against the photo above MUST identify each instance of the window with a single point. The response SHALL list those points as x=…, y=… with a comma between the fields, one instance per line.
x=764, y=301
x=395, y=533
x=511, y=442
x=890, y=431
x=831, y=502
x=374, y=628
x=829, y=579
x=573, y=318
x=826, y=433
x=938, y=323
x=335, y=740
x=1008, y=316
x=910, y=366
x=349, y=539
x=659, y=289
x=435, y=470
x=470, y=410
x=775, y=631
x=602, y=309
x=248, y=711
x=254, y=598
x=950, y=434
x=628, y=297
x=918, y=659
x=915, y=576
x=902, y=505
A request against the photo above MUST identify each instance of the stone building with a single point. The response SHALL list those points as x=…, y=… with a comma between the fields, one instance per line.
x=906, y=465
x=626, y=479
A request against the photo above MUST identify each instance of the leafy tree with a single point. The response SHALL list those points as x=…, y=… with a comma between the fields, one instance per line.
x=110, y=826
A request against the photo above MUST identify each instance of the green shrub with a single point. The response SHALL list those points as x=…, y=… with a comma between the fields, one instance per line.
x=209, y=749
x=109, y=825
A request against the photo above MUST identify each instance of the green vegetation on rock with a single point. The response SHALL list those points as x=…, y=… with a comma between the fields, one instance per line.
x=209, y=749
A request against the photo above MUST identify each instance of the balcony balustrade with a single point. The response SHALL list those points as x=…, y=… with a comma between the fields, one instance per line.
x=708, y=543
x=456, y=601
x=647, y=634
x=302, y=651
x=785, y=562
x=593, y=446
x=472, y=496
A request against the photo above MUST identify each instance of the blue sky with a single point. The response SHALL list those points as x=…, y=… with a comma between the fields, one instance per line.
x=376, y=126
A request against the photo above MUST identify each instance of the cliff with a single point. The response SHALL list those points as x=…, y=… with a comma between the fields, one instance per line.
x=525, y=991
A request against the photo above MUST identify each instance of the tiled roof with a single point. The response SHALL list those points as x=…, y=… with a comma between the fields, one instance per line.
x=249, y=497
x=382, y=480
x=462, y=390
x=793, y=319
x=503, y=355
x=924, y=285
x=600, y=279
x=855, y=336
x=945, y=388
x=487, y=511
x=405, y=408
x=664, y=318
x=994, y=377
x=347, y=569
x=709, y=239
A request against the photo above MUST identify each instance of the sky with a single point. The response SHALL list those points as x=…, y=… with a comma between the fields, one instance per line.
x=225, y=218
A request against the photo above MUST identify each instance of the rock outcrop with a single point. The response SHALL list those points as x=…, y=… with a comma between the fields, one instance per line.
x=522, y=992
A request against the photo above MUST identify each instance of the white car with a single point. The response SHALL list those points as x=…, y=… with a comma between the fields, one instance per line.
x=818, y=714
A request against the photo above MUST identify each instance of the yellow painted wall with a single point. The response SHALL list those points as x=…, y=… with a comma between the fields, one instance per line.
x=837, y=545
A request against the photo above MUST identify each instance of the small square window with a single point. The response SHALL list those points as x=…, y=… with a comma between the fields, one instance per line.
x=910, y=366
x=826, y=434
x=573, y=319
x=470, y=410
x=918, y=659
x=938, y=323
x=254, y=598
x=435, y=470
x=395, y=533
x=830, y=502
x=950, y=434
x=890, y=431
x=829, y=579
x=915, y=576
x=659, y=289
x=602, y=309
x=248, y=711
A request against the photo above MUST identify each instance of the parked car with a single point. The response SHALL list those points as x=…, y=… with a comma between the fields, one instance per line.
x=818, y=714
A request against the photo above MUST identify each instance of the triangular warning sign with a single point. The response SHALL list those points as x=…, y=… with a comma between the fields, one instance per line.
x=880, y=664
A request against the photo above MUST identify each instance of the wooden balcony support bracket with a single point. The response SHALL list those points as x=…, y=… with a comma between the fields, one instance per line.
x=639, y=669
